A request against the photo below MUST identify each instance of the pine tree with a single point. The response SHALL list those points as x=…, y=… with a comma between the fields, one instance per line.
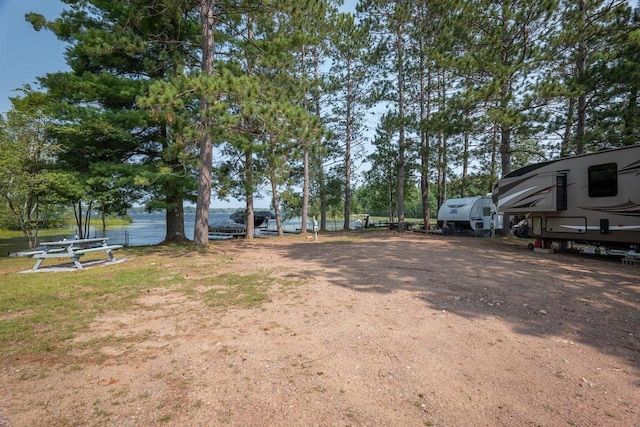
x=203, y=202
x=348, y=82
x=590, y=30
x=116, y=50
x=617, y=123
x=390, y=22
x=266, y=96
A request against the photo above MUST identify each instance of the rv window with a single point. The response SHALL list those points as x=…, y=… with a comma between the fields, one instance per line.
x=561, y=192
x=603, y=180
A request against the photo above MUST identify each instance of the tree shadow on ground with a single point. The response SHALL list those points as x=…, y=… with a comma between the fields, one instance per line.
x=583, y=298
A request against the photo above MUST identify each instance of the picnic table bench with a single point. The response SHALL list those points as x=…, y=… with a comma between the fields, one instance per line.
x=73, y=249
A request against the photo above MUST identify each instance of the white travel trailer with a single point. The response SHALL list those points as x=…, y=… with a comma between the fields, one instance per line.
x=469, y=215
x=592, y=198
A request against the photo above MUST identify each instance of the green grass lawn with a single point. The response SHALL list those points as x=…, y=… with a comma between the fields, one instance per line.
x=40, y=312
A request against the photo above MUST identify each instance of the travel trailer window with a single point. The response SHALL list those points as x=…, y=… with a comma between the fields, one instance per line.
x=603, y=180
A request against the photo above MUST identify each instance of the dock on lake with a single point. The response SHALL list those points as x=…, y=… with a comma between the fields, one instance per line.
x=227, y=232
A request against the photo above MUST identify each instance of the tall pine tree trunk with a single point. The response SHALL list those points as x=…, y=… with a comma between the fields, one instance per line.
x=276, y=202
x=203, y=203
x=494, y=159
x=465, y=163
x=401, y=133
x=566, y=137
x=442, y=143
x=174, y=197
x=320, y=151
x=249, y=178
x=175, y=217
x=580, y=69
x=347, y=150
x=305, y=191
x=505, y=126
x=305, y=185
x=505, y=157
x=425, y=112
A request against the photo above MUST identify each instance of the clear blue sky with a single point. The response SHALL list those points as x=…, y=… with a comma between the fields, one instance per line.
x=25, y=53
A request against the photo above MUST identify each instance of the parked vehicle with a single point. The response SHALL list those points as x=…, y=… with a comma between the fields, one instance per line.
x=591, y=198
x=469, y=216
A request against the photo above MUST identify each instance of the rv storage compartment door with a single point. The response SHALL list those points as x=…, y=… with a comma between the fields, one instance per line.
x=536, y=226
x=558, y=224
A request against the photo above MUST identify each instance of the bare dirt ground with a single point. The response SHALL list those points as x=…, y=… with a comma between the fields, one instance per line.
x=380, y=330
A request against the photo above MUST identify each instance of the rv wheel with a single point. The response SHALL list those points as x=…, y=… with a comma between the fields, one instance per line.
x=530, y=246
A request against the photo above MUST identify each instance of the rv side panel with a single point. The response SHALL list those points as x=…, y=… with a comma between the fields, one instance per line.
x=531, y=193
x=591, y=198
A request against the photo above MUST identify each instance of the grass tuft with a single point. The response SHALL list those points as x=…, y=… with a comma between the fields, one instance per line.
x=238, y=290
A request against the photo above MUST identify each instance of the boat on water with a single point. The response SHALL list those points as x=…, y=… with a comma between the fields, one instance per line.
x=236, y=226
x=259, y=217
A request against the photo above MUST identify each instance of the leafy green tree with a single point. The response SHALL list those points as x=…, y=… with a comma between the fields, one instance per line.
x=26, y=155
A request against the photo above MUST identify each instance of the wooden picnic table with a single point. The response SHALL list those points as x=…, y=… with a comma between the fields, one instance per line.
x=72, y=248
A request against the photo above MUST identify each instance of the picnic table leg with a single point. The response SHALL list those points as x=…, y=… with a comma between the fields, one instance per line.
x=38, y=262
x=76, y=261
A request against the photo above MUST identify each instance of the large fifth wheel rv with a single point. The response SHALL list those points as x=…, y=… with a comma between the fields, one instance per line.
x=592, y=198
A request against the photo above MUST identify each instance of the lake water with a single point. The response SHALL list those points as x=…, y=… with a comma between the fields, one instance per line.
x=146, y=229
